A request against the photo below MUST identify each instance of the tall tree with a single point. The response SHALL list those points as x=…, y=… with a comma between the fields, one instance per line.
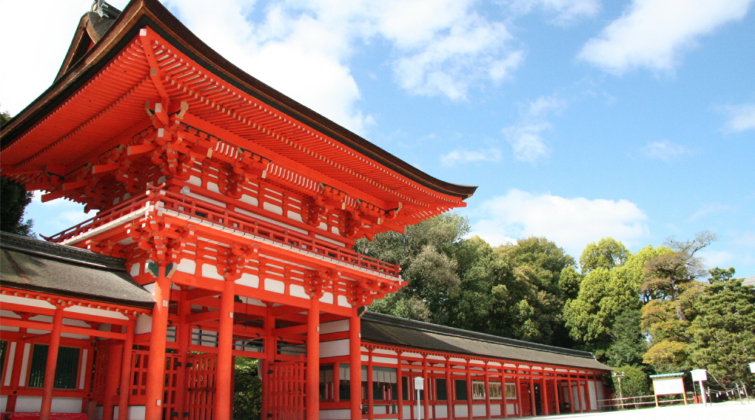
x=608, y=253
x=723, y=332
x=13, y=202
x=627, y=341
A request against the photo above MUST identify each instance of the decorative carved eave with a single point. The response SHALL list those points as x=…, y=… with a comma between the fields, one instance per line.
x=262, y=102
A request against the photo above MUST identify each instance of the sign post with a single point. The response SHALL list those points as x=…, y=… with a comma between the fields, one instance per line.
x=700, y=375
x=419, y=385
x=618, y=375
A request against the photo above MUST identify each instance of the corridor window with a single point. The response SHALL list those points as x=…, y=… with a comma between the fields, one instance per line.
x=66, y=371
x=326, y=383
x=510, y=391
x=344, y=382
x=478, y=390
x=440, y=386
x=461, y=389
x=384, y=384
x=494, y=390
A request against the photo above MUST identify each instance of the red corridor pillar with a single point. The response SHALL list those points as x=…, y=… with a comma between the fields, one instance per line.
x=52, y=363
x=355, y=362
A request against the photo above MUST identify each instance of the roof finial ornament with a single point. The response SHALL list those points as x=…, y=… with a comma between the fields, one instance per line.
x=105, y=10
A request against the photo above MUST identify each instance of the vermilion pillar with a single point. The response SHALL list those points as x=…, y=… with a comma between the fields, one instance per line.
x=128, y=346
x=487, y=392
x=313, y=360
x=518, y=392
x=571, y=394
x=581, y=395
x=449, y=391
x=355, y=362
x=184, y=331
x=52, y=363
x=470, y=405
x=533, y=407
x=544, y=394
x=18, y=356
x=112, y=380
x=224, y=384
x=555, y=393
x=156, y=368
x=370, y=393
x=426, y=392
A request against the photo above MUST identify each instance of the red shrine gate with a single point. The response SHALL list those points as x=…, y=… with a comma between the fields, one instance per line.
x=234, y=206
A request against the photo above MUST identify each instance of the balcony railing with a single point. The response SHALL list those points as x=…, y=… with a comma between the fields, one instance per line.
x=199, y=210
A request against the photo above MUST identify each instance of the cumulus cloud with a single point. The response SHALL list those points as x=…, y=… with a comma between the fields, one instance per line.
x=571, y=223
x=565, y=11
x=741, y=118
x=462, y=156
x=653, y=34
x=527, y=142
x=664, y=150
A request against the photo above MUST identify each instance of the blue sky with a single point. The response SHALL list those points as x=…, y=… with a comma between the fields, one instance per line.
x=577, y=119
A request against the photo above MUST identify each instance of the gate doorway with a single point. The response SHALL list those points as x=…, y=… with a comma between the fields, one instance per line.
x=284, y=390
x=201, y=371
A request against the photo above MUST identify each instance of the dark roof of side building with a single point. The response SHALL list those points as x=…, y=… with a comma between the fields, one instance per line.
x=33, y=265
x=391, y=330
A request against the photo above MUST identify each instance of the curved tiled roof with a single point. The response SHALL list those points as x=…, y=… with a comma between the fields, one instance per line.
x=391, y=330
x=33, y=265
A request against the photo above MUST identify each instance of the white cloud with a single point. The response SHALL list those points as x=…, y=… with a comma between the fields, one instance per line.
x=525, y=137
x=26, y=73
x=664, y=150
x=571, y=223
x=526, y=142
x=565, y=11
x=721, y=259
x=462, y=156
x=652, y=34
x=741, y=118
x=706, y=211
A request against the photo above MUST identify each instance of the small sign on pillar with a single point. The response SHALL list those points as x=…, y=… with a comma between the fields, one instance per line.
x=752, y=367
x=419, y=385
x=700, y=375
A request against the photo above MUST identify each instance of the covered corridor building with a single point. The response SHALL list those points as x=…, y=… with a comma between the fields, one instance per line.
x=226, y=217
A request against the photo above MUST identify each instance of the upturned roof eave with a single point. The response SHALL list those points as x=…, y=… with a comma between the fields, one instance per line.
x=151, y=13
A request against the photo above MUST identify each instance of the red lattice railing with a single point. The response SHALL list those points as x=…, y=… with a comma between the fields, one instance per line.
x=201, y=210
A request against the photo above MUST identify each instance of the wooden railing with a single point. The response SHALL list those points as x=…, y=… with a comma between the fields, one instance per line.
x=200, y=210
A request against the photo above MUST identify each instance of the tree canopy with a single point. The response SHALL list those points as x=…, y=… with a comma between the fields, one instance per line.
x=13, y=202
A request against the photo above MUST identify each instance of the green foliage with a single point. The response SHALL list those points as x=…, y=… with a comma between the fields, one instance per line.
x=627, y=341
x=13, y=201
x=608, y=253
x=634, y=383
x=247, y=390
x=723, y=332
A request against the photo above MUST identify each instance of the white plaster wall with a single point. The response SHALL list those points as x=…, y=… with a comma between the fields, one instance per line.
x=143, y=324
x=3, y=401
x=334, y=348
x=388, y=360
x=328, y=415
x=97, y=312
x=407, y=411
x=137, y=412
x=593, y=394
x=27, y=301
x=9, y=371
x=334, y=327
x=460, y=410
x=495, y=409
x=441, y=411
x=275, y=286
x=511, y=409
x=478, y=410
x=59, y=405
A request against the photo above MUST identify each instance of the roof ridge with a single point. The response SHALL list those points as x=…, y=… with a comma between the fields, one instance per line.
x=474, y=335
x=60, y=252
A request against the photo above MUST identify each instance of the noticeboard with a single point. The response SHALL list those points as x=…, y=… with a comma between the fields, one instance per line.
x=668, y=386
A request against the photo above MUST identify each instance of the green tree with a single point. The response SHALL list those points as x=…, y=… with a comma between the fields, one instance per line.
x=627, y=341
x=634, y=383
x=607, y=253
x=247, y=390
x=427, y=254
x=723, y=331
x=13, y=202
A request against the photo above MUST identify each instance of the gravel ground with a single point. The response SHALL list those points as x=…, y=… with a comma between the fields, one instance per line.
x=731, y=410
